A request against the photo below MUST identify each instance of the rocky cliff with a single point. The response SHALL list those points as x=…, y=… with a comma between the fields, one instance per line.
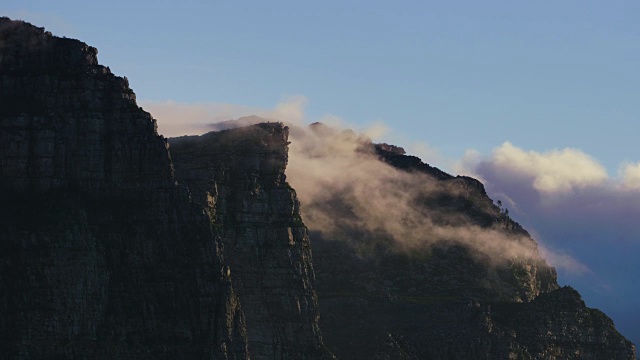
x=444, y=301
x=106, y=253
x=239, y=176
x=102, y=255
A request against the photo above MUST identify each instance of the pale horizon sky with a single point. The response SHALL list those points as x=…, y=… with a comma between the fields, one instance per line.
x=539, y=99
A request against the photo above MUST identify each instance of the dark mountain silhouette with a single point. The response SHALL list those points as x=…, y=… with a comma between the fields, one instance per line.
x=118, y=243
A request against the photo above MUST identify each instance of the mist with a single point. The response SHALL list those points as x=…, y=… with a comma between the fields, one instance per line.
x=342, y=185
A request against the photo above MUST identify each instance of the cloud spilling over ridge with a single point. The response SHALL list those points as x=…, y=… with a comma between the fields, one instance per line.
x=175, y=118
x=327, y=164
x=564, y=262
x=564, y=197
x=343, y=186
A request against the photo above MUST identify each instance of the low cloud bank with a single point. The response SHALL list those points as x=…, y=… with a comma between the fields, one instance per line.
x=553, y=172
x=565, y=184
x=343, y=186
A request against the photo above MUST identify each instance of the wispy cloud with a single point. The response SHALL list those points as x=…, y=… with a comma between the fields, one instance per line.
x=564, y=262
x=329, y=163
x=343, y=186
x=175, y=118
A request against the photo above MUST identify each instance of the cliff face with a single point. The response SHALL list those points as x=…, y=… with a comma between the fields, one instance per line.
x=102, y=255
x=238, y=175
x=68, y=123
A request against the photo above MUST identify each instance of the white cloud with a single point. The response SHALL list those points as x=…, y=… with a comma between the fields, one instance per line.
x=564, y=262
x=630, y=176
x=290, y=110
x=332, y=165
x=175, y=119
x=342, y=187
x=377, y=131
x=559, y=184
x=550, y=172
x=468, y=164
x=428, y=154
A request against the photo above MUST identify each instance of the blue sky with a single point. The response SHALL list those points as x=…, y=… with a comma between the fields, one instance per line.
x=450, y=76
x=541, y=75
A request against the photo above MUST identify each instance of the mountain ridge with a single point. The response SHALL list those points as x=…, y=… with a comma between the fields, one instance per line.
x=102, y=254
x=106, y=253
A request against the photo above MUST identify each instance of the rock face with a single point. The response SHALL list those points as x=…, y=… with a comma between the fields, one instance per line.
x=102, y=255
x=238, y=175
x=445, y=302
x=556, y=325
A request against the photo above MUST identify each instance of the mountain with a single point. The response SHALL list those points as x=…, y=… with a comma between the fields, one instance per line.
x=238, y=176
x=490, y=296
x=102, y=254
x=118, y=243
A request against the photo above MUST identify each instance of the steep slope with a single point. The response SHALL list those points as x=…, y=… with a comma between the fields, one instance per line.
x=239, y=176
x=473, y=298
x=102, y=255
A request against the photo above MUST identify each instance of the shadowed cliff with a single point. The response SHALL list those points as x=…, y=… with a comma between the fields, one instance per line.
x=105, y=253
x=102, y=255
x=413, y=263
x=239, y=176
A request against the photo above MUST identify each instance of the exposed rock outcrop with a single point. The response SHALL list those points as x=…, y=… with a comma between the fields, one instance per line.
x=102, y=255
x=238, y=175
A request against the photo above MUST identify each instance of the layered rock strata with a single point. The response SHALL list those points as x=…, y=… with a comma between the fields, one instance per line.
x=102, y=255
x=238, y=175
